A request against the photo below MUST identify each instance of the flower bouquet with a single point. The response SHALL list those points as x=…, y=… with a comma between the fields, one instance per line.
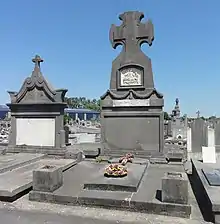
x=127, y=158
x=115, y=170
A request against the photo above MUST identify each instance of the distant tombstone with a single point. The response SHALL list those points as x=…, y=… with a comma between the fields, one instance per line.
x=132, y=109
x=217, y=136
x=211, y=137
x=37, y=113
x=169, y=128
x=67, y=132
x=208, y=154
x=199, y=135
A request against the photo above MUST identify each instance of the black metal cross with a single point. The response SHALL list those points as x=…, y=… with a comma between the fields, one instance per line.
x=37, y=60
x=132, y=33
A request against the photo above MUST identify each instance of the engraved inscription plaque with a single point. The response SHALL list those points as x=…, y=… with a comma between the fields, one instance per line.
x=130, y=77
x=131, y=103
x=212, y=176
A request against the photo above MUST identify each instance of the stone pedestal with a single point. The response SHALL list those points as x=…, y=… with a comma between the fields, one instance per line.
x=175, y=188
x=48, y=179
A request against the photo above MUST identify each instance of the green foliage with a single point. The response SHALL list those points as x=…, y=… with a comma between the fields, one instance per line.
x=66, y=119
x=99, y=159
x=166, y=116
x=83, y=102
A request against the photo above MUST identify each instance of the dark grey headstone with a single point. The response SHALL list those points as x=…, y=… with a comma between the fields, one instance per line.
x=199, y=135
x=212, y=176
x=132, y=109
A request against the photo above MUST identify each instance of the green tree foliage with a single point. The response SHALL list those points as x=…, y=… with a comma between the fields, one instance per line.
x=83, y=102
x=166, y=116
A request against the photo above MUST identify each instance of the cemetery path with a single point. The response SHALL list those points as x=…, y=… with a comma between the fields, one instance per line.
x=24, y=211
x=34, y=217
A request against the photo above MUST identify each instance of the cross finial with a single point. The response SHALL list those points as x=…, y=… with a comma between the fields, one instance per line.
x=37, y=60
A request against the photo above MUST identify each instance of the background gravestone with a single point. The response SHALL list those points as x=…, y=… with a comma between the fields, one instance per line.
x=132, y=109
x=199, y=135
x=37, y=112
x=217, y=136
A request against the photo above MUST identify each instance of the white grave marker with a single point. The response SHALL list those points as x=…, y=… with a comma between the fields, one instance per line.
x=208, y=154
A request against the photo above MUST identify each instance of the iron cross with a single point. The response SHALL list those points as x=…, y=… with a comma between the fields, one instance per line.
x=132, y=33
x=37, y=60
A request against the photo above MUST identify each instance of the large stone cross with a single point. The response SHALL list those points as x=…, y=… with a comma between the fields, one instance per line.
x=132, y=33
x=37, y=60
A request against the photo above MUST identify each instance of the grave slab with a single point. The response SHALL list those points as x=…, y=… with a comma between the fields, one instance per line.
x=212, y=176
x=145, y=199
x=206, y=194
x=18, y=180
x=130, y=183
x=13, y=161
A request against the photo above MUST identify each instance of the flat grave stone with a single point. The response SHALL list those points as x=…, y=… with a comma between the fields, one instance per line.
x=129, y=183
x=13, y=161
x=212, y=176
x=18, y=180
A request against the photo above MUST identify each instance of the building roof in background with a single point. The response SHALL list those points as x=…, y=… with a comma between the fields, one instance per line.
x=4, y=108
x=70, y=110
x=80, y=110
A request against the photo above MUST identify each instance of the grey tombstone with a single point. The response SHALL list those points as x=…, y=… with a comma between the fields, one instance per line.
x=217, y=136
x=37, y=112
x=132, y=109
x=67, y=132
x=199, y=135
x=169, y=128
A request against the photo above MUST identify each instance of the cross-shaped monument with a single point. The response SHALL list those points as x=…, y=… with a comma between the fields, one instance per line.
x=132, y=109
x=132, y=33
x=132, y=68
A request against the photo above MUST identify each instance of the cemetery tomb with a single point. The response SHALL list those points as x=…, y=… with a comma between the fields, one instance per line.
x=132, y=121
x=37, y=112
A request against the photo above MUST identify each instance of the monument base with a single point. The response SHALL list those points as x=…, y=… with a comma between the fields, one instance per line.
x=37, y=149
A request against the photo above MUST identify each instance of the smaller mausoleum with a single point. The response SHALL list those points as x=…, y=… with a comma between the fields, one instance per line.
x=37, y=112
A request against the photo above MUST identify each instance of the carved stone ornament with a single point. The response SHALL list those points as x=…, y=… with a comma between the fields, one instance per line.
x=36, y=89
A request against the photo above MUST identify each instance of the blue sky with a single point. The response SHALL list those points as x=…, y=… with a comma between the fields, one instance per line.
x=73, y=39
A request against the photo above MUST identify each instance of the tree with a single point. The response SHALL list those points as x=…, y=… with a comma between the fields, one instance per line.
x=83, y=102
x=166, y=116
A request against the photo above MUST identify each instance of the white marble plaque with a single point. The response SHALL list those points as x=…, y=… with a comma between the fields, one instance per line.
x=35, y=131
x=131, y=103
x=208, y=155
x=130, y=77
